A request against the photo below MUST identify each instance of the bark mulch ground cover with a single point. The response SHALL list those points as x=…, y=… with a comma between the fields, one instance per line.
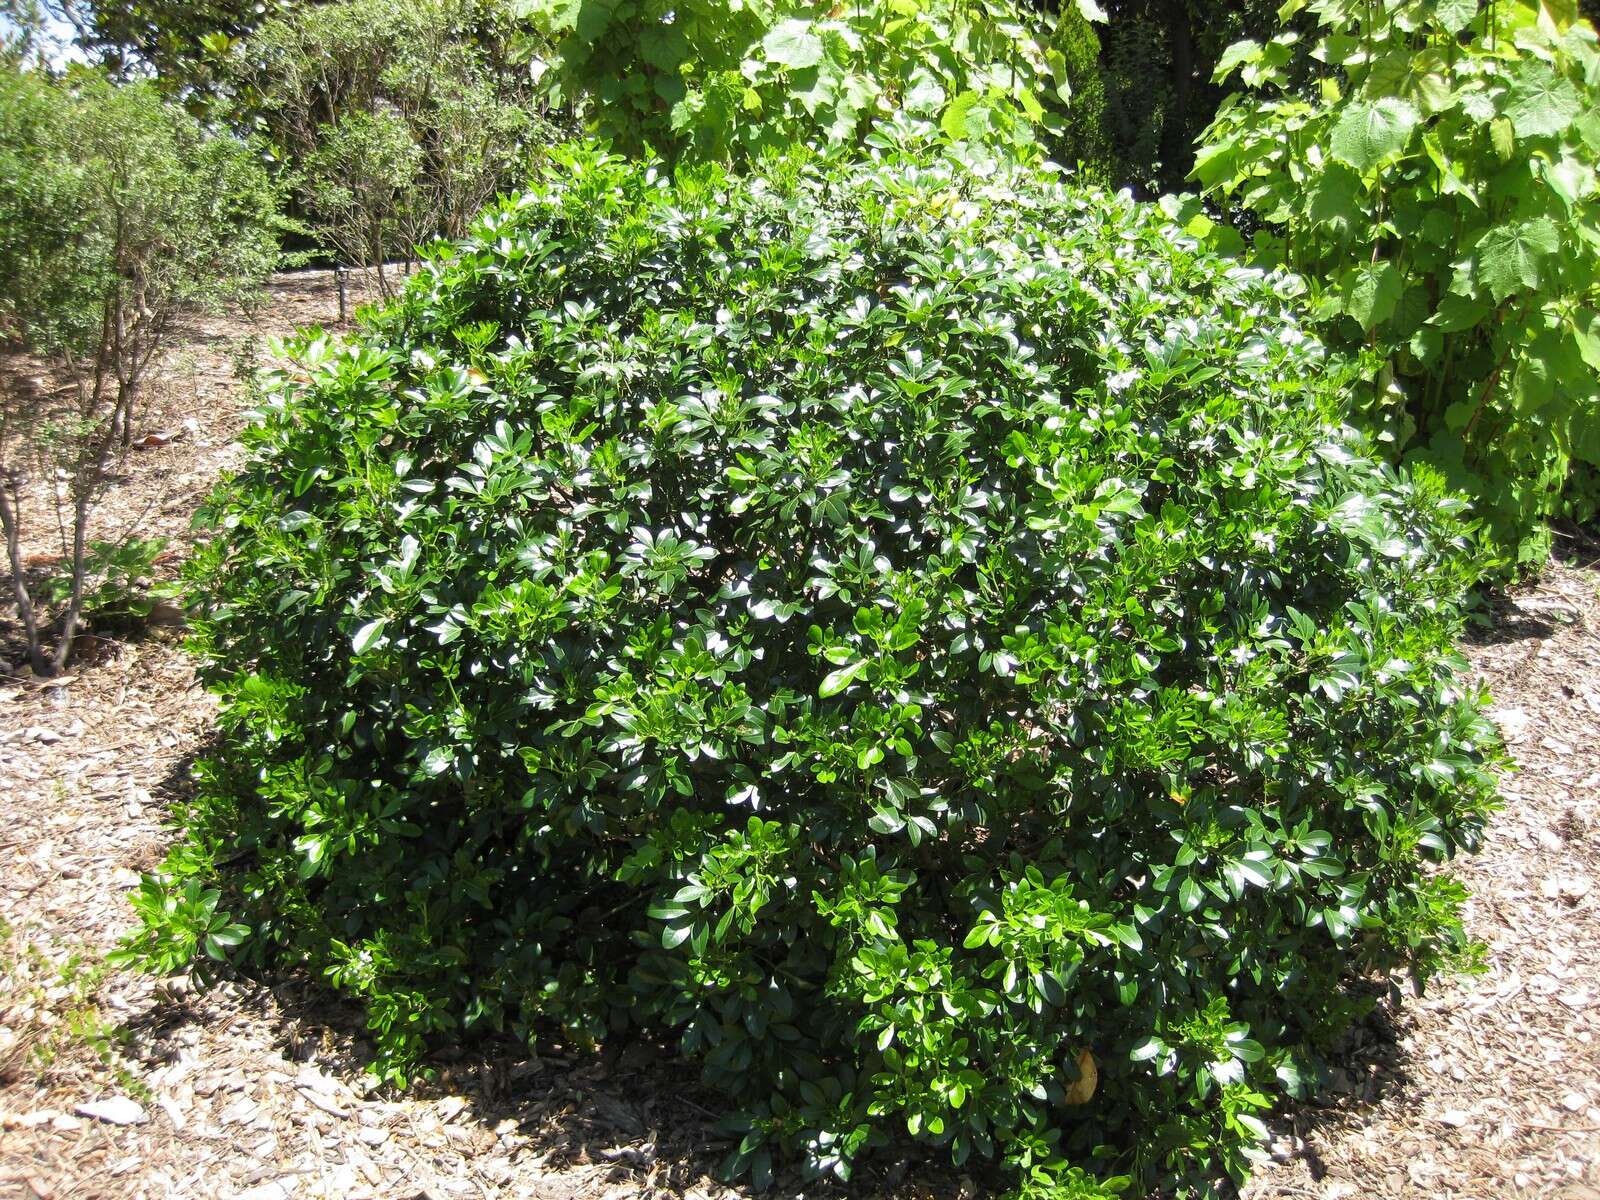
x=114, y=1085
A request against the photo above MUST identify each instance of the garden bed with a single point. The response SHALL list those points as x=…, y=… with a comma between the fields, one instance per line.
x=1489, y=1088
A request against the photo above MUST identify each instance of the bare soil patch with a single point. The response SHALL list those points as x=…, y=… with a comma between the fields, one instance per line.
x=1486, y=1088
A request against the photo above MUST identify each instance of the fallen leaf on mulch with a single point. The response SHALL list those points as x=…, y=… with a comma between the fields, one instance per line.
x=114, y=1110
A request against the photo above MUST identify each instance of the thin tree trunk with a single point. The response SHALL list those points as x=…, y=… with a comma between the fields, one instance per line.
x=69, y=626
x=86, y=480
x=10, y=517
x=121, y=420
x=1175, y=148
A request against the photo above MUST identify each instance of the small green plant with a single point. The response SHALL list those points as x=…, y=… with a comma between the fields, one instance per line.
x=1438, y=188
x=917, y=634
x=178, y=924
x=54, y=1012
x=118, y=588
x=81, y=1021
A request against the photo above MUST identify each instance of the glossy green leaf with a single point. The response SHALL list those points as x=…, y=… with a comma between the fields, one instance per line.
x=367, y=636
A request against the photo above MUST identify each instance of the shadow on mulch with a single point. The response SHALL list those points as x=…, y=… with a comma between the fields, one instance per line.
x=1576, y=546
x=630, y=1103
x=1505, y=615
x=91, y=648
x=633, y=1104
x=1500, y=623
x=1366, y=1066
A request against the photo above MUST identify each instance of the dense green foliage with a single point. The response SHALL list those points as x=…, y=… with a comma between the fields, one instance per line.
x=178, y=42
x=1441, y=194
x=1083, y=144
x=175, y=44
x=112, y=199
x=706, y=81
x=117, y=212
x=912, y=634
x=724, y=79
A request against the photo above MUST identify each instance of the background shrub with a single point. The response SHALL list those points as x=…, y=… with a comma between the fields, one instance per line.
x=724, y=80
x=1083, y=145
x=1439, y=187
x=392, y=121
x=918, y=638
x=118, y=212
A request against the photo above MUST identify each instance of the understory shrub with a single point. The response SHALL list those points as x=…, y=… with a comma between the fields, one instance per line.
x=918, y=637
x=119, y=213
x=1439, y=185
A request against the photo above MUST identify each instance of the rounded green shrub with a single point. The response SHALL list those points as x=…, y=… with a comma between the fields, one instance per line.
x=919, y=637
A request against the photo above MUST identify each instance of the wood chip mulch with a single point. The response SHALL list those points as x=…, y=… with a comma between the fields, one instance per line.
x=1490, y=1087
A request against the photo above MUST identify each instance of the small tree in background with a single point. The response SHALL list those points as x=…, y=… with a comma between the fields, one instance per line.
x=361, y=189
x=394, y=121
x=117, y=212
